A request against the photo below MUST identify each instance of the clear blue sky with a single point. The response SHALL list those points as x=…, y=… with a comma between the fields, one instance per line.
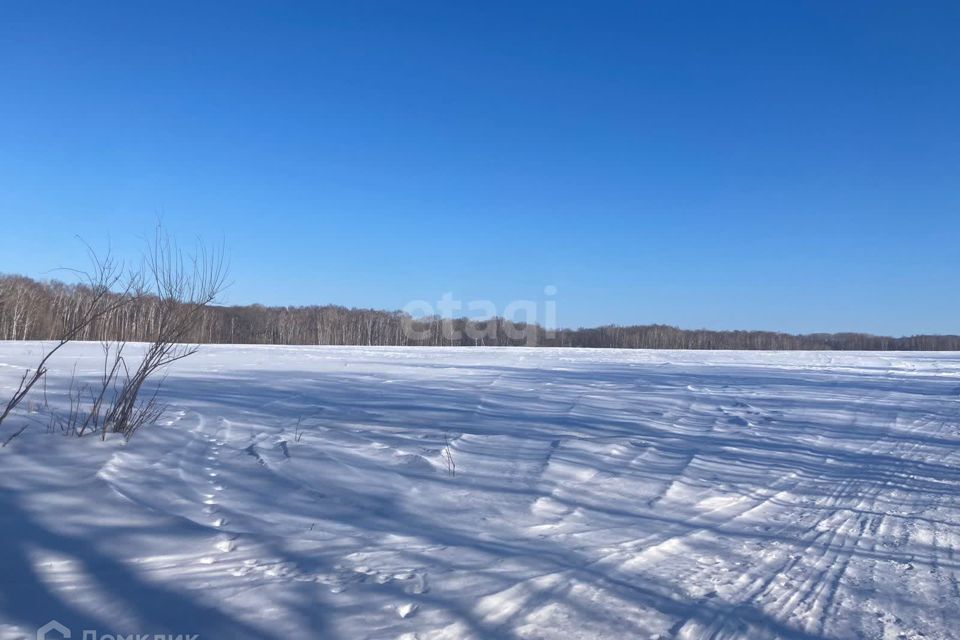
x=776, y=165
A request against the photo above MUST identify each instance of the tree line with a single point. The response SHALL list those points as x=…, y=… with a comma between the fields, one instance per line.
x=35, y=310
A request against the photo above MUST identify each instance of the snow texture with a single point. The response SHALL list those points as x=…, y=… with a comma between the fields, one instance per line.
x=495, y=493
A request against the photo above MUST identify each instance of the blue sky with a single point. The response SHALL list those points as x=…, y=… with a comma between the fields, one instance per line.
x=771, y=165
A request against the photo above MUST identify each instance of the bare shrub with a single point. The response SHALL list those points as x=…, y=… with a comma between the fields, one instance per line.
x=102, y=280
x=448, y=455
x=178, y=287
x=183, y=285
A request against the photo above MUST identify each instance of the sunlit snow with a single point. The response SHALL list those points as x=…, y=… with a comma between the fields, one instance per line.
x=301, y=492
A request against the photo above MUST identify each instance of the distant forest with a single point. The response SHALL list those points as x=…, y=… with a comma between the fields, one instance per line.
x=32, y=310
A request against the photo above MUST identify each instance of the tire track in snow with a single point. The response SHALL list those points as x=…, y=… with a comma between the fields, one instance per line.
x=855, y=505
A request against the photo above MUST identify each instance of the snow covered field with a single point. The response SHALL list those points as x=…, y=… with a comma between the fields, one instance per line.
x=595, y=494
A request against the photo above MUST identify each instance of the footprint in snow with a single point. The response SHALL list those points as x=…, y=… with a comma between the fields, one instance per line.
x=273, y=570
x=407, y=610
x=414, y=583
x=226, y=544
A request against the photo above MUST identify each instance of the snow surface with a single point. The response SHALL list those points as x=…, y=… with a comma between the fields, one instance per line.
x=596, y=494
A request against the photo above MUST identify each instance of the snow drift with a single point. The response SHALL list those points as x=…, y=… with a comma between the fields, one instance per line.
x=495, y=493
